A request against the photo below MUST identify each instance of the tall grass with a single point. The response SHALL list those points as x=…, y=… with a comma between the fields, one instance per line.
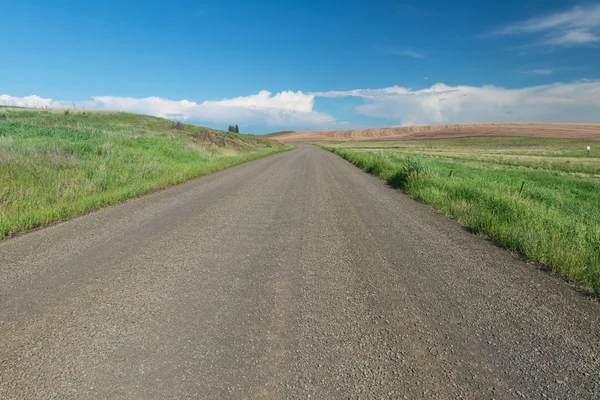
x=56, y=165
x=555, y=220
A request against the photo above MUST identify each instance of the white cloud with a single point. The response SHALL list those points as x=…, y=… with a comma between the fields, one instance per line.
x=27, y=101
x=395, y=105
x=399, y=52
x=574, y=37
x=286, y=100
x=408, y=53
x=286, y=108
x=366, y=93
x=550, y=71
x=575, y=27
x=442, y=104
x=547, y=71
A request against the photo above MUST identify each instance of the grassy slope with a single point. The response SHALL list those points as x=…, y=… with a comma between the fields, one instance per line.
x=276, y=133
x=55, y=165
x=553, y=221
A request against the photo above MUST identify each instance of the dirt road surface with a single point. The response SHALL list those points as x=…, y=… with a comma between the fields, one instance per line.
x=292, y=276
x=590, y=132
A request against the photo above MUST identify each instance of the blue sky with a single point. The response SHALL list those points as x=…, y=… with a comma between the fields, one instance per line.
x=279, y=65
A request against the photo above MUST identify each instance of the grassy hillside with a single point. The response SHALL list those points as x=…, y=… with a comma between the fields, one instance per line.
x=276, y=133
x=554, y=219
x=57, y=164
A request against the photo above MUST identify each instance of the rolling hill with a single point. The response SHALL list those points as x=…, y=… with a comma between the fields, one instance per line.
x=500, y=129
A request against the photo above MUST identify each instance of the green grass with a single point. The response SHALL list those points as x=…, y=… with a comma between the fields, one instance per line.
x=55, y=164
x=276, y=133
x=555, y=220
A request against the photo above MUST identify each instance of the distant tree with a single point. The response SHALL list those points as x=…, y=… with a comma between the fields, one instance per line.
x=237, y=129
x=231, y=128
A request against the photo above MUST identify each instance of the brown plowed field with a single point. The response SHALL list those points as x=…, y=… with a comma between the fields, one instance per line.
x=500, y=129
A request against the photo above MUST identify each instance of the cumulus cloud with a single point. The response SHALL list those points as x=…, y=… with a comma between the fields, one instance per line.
x=27, y=101
x=442, y=104
x=574, y=27
x=283, y=109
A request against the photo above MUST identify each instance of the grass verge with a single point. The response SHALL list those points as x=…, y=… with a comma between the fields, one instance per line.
x=553, y=220
x=58, y=164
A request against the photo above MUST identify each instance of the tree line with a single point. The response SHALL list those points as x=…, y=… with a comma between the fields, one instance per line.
x=233, y=128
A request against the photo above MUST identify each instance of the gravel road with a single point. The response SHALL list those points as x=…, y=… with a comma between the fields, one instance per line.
x=293, y=276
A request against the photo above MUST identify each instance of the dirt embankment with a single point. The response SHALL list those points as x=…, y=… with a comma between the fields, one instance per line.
x=500, y=129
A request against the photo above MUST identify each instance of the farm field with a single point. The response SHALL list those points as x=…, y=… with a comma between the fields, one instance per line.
x=61, y=163
x=450, y=131
x=537, y=197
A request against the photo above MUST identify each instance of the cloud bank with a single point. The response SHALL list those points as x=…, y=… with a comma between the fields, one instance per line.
x=283, y=109
x=442, y=104
x=395, y=105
